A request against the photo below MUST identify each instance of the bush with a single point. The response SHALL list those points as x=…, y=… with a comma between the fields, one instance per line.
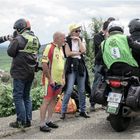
x=7, y=107
x=37, y=97
x=6, y=101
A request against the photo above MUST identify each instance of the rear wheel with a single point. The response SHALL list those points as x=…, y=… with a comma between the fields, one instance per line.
x=119, y=123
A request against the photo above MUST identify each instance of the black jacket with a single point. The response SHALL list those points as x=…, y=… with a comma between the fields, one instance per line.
x=136, y=37
x=97, y=40
x=82, y=62
x=23, y=64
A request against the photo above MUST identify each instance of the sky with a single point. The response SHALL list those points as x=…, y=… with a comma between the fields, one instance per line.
x=49, y=16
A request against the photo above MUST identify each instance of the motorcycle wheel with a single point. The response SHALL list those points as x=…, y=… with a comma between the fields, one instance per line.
x=119, y=123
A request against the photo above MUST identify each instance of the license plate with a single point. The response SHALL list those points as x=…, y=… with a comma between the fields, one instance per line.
x=114, y=97
x=112, y=107
x=112, y=110
x=111, y=104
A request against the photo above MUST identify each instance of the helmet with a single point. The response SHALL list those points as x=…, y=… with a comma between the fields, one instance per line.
x=134, y=25
x=115, y=26
x=21, y=25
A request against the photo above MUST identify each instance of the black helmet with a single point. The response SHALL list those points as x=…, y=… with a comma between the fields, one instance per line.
x=21, y=25
x=115, y=26
x=134, y=25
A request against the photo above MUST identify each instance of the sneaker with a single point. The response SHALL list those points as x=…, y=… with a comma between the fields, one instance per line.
x=17, y=124
x=103, y=107
x=45, y=128
x=52, y=125
x=28, y=124
x=63, y=115
x=84, y=114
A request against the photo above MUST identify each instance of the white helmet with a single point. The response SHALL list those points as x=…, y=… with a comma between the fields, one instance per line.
x=115, y=26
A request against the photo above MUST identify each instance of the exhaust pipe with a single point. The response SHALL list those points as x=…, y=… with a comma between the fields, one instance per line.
x=128, y=112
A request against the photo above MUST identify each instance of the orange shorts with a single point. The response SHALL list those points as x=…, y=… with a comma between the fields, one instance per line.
x=52, y=91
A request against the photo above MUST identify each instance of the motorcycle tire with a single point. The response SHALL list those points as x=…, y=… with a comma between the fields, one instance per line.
x=119, y=123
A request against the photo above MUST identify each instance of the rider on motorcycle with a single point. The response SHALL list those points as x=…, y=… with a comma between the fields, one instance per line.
x=116, y=52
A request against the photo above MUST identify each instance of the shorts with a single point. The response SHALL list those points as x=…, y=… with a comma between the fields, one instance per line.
x=52, y=91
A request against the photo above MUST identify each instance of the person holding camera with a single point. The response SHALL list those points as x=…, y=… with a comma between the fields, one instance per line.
x=23, y=49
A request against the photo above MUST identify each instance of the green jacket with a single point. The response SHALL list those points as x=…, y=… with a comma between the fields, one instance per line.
x=116, y=49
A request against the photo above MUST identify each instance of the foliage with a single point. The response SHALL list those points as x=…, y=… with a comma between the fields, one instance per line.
x=37, y=96
x=7, y=107
x=6, y=101
x=95, y=27
x=5, y=60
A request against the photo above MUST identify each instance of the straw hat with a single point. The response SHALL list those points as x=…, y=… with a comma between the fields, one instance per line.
x=73, y=27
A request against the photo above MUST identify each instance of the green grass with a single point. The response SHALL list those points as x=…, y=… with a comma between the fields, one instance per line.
x=5, y=60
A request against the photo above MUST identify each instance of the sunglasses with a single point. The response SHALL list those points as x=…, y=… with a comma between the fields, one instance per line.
x=77, y=31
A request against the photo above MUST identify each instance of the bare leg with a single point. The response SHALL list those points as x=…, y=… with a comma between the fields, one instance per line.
x=43, y=110
x=51, y=107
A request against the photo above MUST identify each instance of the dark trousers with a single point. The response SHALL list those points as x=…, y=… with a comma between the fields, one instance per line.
x=22, y=100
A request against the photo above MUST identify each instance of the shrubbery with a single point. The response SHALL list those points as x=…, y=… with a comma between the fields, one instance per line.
x=7, y=107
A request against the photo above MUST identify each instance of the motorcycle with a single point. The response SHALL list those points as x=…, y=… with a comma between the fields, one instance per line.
x=123, y=100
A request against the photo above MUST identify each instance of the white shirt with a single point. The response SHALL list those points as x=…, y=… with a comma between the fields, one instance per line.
x=75, y=47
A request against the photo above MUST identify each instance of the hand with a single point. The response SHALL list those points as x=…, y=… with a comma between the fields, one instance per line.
x=63, y=82
x=51, y=82
x=10, y=37
x=75, y=38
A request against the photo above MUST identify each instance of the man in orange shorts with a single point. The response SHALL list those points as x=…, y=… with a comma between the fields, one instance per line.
x=53, y=79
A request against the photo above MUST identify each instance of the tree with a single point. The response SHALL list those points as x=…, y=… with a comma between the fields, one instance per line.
x=95, y=27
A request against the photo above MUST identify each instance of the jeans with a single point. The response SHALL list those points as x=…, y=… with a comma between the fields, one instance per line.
x=22, y=100
x=97, y=78
x=74, y=75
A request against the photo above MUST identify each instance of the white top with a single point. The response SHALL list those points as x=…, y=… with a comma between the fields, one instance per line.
x=75, y=47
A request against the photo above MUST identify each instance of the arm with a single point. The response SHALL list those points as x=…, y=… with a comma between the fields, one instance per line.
x=69, y=52
x=46, y=72
x=63, y=76
x=97, y=40
x=13, y=48
x=82, y=46
x=99, y=56
x=133, y=44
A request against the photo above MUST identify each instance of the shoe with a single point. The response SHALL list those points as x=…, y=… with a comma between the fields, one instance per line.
x=63, y=115
x=108, y=118
x=45, y=128
x=84, y=114
x=52, y=125
x=103, y=107
x=17, y=124
x=92, y=108
x=28, y=124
